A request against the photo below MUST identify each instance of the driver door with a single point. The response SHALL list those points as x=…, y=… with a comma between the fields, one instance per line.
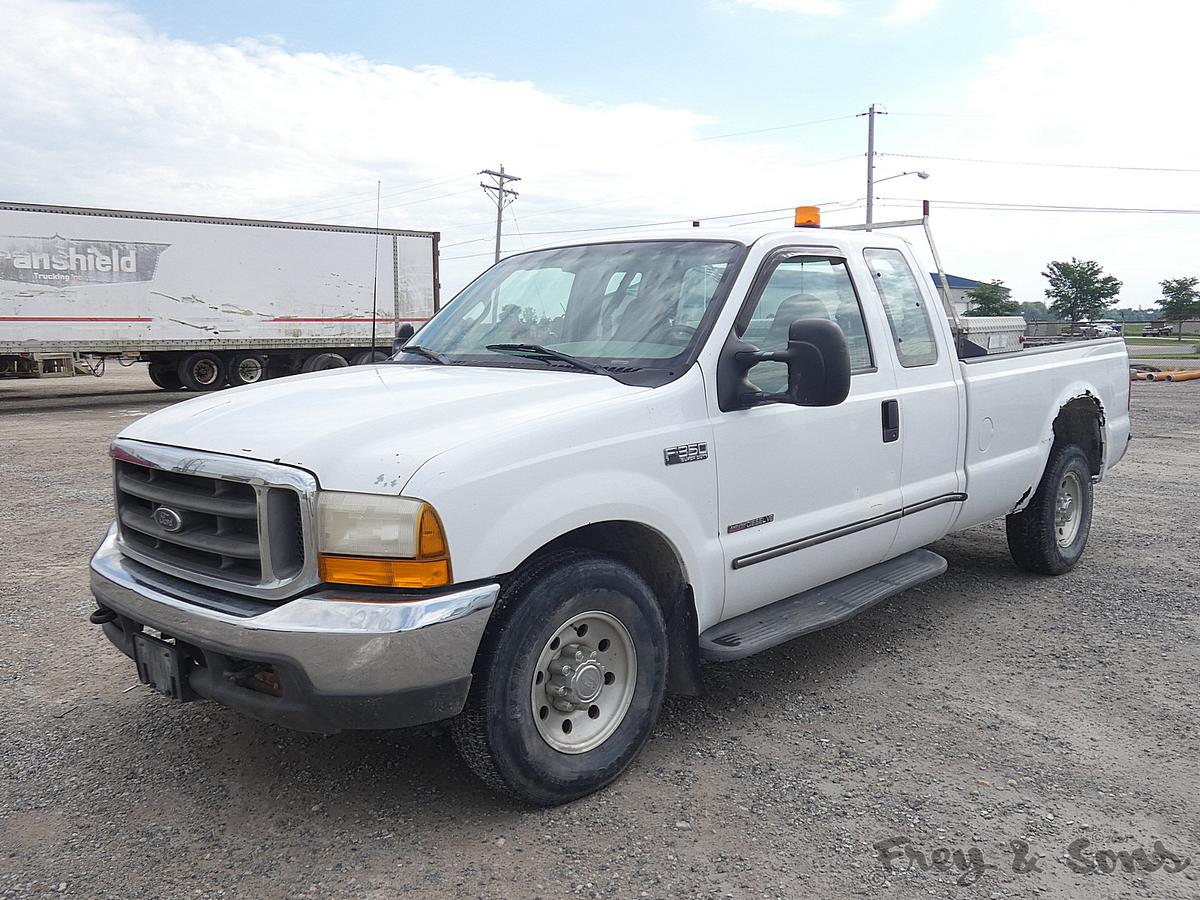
x=806, y=494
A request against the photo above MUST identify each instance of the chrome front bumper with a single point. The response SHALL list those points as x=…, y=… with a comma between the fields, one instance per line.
x=346, y=659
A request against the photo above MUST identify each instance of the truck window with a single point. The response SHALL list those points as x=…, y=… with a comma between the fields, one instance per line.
x=804, y=287
x=629, y=305
x=912, y=331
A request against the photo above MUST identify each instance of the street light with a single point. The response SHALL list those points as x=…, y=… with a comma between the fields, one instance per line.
x=921, y=175
x=872, y=181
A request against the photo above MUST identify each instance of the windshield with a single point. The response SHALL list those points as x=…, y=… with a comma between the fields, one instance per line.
x=625, y=306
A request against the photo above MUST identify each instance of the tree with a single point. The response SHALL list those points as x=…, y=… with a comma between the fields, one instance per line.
x=1181, y=300
x=1035, y=311
x=1080, y=290
x=990, y=298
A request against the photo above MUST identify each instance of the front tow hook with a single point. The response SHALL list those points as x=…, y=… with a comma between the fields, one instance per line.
x=102, y=616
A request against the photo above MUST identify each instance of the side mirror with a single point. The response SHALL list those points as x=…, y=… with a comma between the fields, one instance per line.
x=404, y=334
x=818, y=364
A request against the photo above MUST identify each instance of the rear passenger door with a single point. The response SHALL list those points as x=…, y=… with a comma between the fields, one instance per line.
x=807, y=494
x=929, y=400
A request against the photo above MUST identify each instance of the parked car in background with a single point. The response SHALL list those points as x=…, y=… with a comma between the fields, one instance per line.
x=1106, y=328
x=1153, y=330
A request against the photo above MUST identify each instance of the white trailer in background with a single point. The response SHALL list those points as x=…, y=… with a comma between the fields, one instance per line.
x=206, y=301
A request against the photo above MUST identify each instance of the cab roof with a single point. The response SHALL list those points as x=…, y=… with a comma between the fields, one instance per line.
x=746, y=236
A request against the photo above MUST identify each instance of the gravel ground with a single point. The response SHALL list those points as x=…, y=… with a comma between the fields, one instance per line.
x=981, y=709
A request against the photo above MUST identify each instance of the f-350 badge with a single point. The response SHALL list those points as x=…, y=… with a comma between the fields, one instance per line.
x=686, y=453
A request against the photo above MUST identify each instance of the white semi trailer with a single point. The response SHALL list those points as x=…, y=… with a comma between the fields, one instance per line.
x=207, y=302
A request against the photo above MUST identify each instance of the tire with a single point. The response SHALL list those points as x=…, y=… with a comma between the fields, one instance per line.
x=247, y=368
x=165, y=376
x=367, y=357
x=1038, y=539
x=504, y=730
x=319, y=362
x=202, y=372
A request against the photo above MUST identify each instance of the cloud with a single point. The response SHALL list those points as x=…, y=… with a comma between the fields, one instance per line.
x=801, y=7
x=1086, y=83
x=905, y=11
x=102, y=110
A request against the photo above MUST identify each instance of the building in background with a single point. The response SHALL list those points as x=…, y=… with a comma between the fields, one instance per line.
x=958, y=289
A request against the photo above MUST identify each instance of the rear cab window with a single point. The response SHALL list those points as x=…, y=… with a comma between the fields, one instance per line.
x=904, y=304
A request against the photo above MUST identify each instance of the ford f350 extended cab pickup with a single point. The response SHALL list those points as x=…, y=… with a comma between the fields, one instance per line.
x=599, y=465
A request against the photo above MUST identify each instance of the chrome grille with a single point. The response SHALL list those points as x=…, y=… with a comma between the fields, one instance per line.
x=216, y=520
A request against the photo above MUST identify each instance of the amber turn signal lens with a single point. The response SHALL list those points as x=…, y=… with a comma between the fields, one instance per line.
x=431, y=540
x=398, y=573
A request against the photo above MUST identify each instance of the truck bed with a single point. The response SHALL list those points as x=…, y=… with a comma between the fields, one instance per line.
x=1006, y=445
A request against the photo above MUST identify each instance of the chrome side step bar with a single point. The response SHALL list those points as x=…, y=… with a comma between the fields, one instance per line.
x=821, y=607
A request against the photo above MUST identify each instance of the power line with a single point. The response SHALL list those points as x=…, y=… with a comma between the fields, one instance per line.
x=548, y=212
x=842, y=206
x=609, y=228
x=360, y=212
x=940, y=115
x=323, y=205
x=1055, y=165
x=989, y=206
x=335, y=207
x=717, y=137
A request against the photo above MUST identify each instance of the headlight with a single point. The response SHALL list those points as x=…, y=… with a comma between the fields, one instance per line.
x=379, y=540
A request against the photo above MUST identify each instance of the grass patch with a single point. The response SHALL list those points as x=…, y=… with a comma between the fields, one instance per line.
x=1159, y=342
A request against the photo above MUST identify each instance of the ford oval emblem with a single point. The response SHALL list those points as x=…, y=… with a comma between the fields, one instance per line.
x=168, y=519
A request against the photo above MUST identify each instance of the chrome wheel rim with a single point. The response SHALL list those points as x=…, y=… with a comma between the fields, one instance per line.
x=583, y=683
x=205, y=372
x=250, y=370
x=1068, y=508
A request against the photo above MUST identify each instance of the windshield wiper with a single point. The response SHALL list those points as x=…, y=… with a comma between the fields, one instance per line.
x=537, y=351
x=440, y=358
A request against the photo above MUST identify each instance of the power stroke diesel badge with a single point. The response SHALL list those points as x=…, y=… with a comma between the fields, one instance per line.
x=686, y=453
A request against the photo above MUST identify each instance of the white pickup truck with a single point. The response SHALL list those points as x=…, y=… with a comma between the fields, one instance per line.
x=600, y=465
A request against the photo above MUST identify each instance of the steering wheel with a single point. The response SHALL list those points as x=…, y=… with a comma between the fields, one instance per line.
x=681, y=332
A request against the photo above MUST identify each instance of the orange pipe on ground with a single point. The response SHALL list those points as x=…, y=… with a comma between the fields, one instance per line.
x=1189, y=375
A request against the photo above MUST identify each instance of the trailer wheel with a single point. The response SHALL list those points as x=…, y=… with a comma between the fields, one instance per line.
x=318, y=362
x=165, y=376
x=202, y=372
x=246, y=368
x=367, y=357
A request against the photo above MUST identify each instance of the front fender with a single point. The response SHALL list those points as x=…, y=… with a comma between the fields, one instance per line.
x=526, y=517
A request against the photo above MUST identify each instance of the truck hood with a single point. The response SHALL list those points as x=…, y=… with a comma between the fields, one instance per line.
x=369, y=428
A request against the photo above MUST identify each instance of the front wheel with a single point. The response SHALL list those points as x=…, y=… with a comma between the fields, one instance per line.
x=1049, y=535
x=568, y=682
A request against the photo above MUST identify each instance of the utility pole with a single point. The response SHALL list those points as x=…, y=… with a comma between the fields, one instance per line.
x=503, y=197
x=871, y=114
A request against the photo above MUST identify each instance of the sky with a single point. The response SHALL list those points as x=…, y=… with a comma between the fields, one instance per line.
x=622, y=114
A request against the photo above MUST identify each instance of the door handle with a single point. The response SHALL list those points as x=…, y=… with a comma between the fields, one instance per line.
x=891, y=421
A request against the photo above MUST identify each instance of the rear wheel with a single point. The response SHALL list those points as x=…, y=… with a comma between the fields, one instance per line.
x=202, y=372
x=367, y=357
x=165, y=376
x=568, y=682
x=246, y=368
x=318, y=362
x=1050, y=534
